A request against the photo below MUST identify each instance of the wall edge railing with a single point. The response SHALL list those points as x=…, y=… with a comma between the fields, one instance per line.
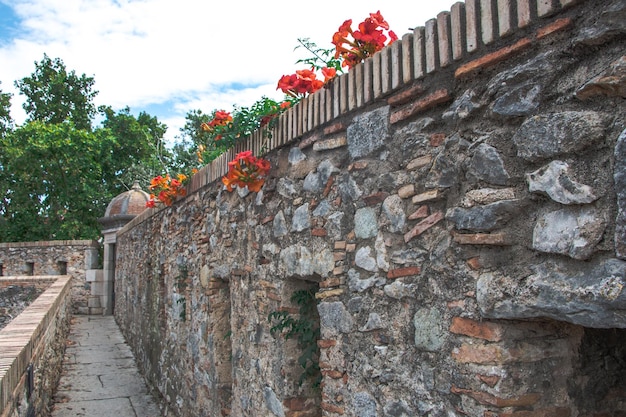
x=19, y=339
x=451, y=41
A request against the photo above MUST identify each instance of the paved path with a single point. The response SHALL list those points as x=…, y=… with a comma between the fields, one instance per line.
x=100, y=377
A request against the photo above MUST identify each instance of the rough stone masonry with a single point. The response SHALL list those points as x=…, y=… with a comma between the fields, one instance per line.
x=461, y=218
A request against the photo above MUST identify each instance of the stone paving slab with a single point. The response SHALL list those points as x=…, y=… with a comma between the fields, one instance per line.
x=100, y=376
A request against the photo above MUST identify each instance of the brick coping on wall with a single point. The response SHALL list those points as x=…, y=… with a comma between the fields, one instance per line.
x=473, y=35
x=20, y=338
x=49, y=243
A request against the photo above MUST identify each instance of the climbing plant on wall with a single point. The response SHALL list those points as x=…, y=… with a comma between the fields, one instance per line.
x=304, y=328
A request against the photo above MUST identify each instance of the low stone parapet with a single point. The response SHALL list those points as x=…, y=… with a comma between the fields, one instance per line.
x=31, y=350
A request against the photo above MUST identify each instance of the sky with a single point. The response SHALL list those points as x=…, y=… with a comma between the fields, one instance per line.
x=169, y=57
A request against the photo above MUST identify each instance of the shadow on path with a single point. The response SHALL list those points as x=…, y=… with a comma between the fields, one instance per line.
x=100, y=376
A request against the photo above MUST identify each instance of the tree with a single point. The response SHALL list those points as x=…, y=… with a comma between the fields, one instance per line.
x=135, y=151
x=54, y=95
x=53, y=183
x=5, y=114
x=58, y=173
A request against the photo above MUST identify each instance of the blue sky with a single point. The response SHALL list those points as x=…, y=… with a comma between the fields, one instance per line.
x=169, y=57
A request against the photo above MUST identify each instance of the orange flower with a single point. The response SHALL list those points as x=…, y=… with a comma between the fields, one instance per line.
x=366, y=41
x=329, y=73
x=246, y=170
x=379, y=20
x=167, y=189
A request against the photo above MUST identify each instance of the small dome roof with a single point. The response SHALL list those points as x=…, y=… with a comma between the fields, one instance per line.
x=128, y=203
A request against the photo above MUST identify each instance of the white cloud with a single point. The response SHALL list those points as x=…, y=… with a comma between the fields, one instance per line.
x=144, y=52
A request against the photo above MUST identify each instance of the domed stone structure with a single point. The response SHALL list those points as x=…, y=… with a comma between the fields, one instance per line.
x=124, y=208
x=120, y=211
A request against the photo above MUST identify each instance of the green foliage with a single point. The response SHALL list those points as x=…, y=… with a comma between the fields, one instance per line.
x=320, y=57
x=5, y=116
x=54, y=95
x=58, y=173
x=246, y=120
x=136, y=152
x=52, y=183
x=305, y=330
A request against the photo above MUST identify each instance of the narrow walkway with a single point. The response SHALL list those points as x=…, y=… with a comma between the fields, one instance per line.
x=100, y=376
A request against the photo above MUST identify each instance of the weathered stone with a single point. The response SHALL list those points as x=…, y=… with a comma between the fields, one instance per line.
x=348, y=188
x=587, y=294
x=326, y=168
x=222, y=271
x=322, y=209
x=272, y=402
x=297, y=261
x=419, y=162
x=572, y=231
x=356, y=284
x=364, y=405
x=399, y=290
x=612, y=83
x=287, y=187
x=407, y=191
x=408, y=256
x=397, y=409
x=610, y=24
x=393, y=211
x=619, y=176
x=312, y=183
x=364, y=259
x=366, y=223
x=355, y=304
x=487, y=196
x=381, y=253
x=243, y=192
x=430, y=334
x=301, y=219
x=487, y=165
x=330, y=143
x=518, y=101
x=554, y=180
x=483, y=218
x=323, y=294
x=498, y=239
x=540, y=68
x=374, y=322
x=549, y=135
x=462, y=107
x=444, y=172
x=280, y=225
x=296, y=156
x=334, y=318
x=334, y=225
x=204, y=276
x=368, y=132
x=426, y=196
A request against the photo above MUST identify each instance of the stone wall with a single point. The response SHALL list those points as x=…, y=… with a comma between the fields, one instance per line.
x=31, y=351
x=58, y=257
x=458, y=206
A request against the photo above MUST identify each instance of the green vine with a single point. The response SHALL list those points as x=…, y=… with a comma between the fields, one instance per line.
x=305, y=330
